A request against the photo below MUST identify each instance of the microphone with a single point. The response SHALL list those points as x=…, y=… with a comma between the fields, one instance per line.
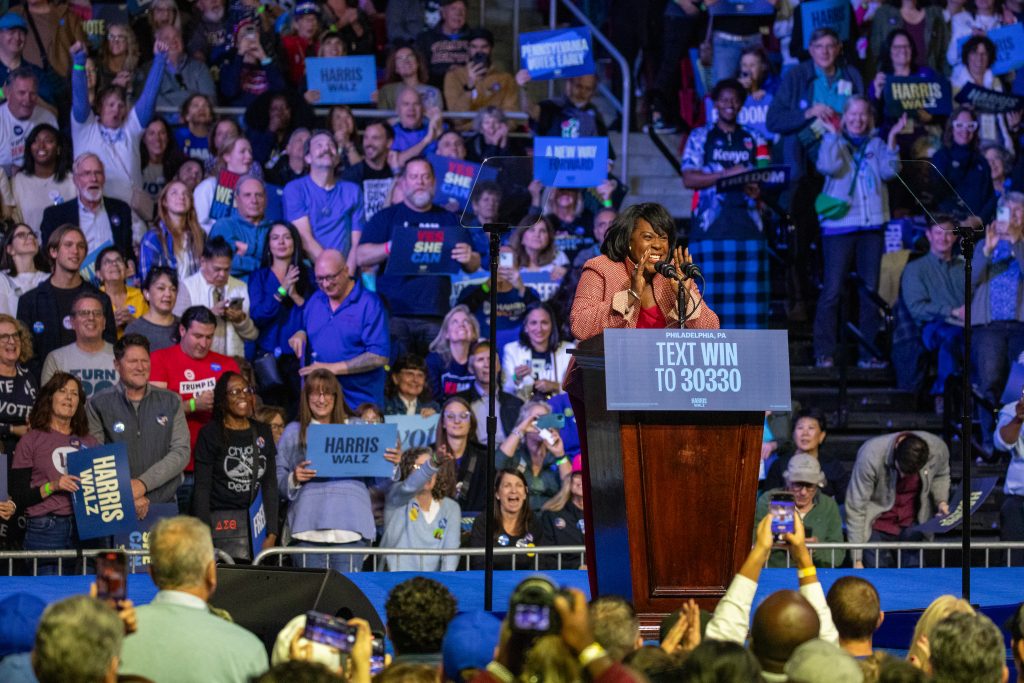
x=666, y=269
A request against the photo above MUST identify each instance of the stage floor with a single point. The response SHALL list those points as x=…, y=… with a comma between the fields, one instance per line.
x=997, y=591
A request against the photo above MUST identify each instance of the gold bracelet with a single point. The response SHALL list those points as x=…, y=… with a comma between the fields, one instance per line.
x=807, y=572
x=591, y=653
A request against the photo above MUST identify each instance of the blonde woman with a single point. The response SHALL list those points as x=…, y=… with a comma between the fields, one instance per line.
x=448, y=370
x=119, y=58
x=177, y=240
x=941, y=607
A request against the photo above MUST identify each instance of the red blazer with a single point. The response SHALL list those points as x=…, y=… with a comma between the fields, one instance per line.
x=603, y=300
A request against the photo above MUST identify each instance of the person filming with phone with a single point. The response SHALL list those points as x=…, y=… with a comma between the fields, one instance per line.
x=535, y=449
x=802, y=496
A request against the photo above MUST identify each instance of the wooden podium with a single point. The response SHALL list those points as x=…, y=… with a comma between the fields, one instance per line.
x=672, y=497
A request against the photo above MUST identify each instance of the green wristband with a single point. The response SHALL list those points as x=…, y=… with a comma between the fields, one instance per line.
x=47, y=489
x=564, y=460
x=282, y=291
x=192, y=405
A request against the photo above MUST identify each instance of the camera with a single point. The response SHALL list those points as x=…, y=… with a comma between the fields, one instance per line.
x=532, y=607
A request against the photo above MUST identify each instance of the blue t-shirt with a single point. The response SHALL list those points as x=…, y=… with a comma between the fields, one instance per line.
x=192, y=146
x=426, y=295
x=333, y=214
x=407, y=137
x=358, y=325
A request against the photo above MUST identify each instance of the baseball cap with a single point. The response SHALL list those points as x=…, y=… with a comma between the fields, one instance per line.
x=305, y=8
x=818, y=661
x=469, y=642
x=804, y=468
x=19, y=618
x=11, y=21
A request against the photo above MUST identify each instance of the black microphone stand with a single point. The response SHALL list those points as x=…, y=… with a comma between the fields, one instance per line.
x=495, y=231
x=968, y=237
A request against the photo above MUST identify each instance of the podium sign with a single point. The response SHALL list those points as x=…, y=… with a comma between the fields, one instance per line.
x=697, y=370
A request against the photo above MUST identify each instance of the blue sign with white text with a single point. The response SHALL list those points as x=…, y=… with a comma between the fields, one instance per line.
x=1009, y=41
x=570, y=162
x=422, y=251
x=414, y=431
x=342, y=80
x=692, y=369
x=455, y=179
x=562, y=53
x=103, y=503
x=139, y=538
x=257, y=523
x=833, y=14
x=346, y=451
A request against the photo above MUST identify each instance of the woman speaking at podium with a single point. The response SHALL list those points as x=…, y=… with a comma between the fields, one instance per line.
x=621, y=288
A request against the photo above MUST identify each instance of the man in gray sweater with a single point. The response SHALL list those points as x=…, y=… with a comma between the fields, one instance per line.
x=150, y=422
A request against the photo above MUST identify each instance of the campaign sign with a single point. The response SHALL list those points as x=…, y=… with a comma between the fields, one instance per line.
x=540, y=282
x=570, y=162
x=421, y=251
x=257, y=523
x=910, y=93
x=989, y=101
x=139, y=539
x=103, y=503
x=980, y=490
x=833, y=14
x=342, y=80
x=562, y=53
x=713, y=370
x=415, y=431
x=455, y=179
x=767, y=176
x=1009, y=42
x=346, y=451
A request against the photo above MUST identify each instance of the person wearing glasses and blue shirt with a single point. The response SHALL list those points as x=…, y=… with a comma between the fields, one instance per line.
x=344, y=330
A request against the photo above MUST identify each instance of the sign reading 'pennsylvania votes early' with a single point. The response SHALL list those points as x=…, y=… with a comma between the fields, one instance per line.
x=716, y=370
x=562, y=53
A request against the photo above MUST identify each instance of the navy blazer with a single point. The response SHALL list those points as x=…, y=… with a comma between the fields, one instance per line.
x=119, y=213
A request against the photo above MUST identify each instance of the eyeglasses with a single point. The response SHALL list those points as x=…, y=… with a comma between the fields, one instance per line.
x=10, y=338
x=457, y=417
x=795, y=485
x=322, y=279
x=112, y=261
x=234, y=393
x=965, y=125
x=89, y=314
x=323, y=394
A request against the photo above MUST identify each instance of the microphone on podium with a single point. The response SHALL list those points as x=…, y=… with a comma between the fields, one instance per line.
x=666, y=269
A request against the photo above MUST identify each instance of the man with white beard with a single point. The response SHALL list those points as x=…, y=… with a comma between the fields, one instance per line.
x=416, y=302
x=105, y=221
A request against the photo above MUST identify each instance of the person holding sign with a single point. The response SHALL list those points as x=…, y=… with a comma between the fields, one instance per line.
x=416, y=302
x=419, y=512
x=978, y=55
x=924, y=19
x=57, y=426
x=322, y=512
x=975, y=20
x=344, y=326
x=731, y=233
x=234, y=469
x=852, y=208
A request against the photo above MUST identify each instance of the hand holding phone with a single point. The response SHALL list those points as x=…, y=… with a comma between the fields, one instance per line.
x=782, y=510
x=112, y=576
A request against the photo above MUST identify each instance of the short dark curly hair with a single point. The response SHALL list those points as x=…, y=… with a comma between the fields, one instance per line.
x=418, y=612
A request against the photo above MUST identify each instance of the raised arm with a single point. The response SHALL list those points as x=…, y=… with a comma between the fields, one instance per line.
x=146, y=103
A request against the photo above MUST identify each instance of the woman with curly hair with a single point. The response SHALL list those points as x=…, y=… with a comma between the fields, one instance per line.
x=420, y=513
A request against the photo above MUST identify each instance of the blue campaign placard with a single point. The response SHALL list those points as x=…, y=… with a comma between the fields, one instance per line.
x=103, y=503
x=540, y=282
x=346, y=451
x=910, y=93
x=415, y=431
x=748, y=7
x=257, y=523
x=139, y=539
x=766, y=177
x=989, y=101
x=421, y=251
x=981, y=488
x=1009, y=41
x=455, y=179
x=562, y=53
x=342, y=80
x=570, y=162
x=690, y=369
x=833, y=14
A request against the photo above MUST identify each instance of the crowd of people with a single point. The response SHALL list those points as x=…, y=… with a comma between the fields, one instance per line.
x=800, y=635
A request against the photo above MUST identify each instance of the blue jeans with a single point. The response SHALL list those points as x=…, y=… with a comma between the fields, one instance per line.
x=412, y=335
x=994, y=349
x=948, y=340
x=726, y=61
x=343, y=564
x=841, y=253
x=51, y=532
x=887, y=558
x=184, y=493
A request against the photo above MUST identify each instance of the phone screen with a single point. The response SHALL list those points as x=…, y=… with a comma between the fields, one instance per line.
x=323, y=628
x=112, y=576
x=537, y=367
x=782, y=511
x=235, y=303
x=505, y=259
x=551, y=421
x=532, y=618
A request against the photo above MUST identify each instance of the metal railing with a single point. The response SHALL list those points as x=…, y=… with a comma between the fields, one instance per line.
x=356, y=556
x=934, y=551
x=76, y=557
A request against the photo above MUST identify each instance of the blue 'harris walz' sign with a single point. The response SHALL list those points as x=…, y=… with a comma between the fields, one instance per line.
x=343, y=451
x=103, y=503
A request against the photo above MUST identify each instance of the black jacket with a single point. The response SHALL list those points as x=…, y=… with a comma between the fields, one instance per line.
x=119, y=213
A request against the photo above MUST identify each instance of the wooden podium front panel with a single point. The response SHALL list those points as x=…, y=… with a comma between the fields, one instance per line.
x=691, y=487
